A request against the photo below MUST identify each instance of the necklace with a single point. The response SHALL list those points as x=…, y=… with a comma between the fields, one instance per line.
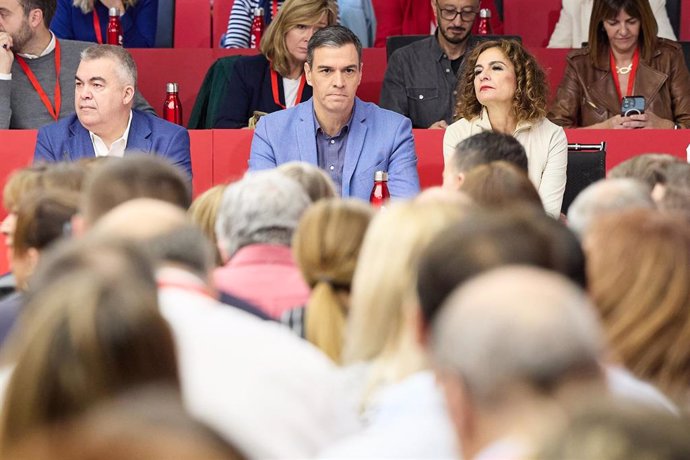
x=624, y=70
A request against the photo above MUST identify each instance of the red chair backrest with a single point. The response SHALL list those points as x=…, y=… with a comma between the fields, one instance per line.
x=221, y=13
x=533, y=20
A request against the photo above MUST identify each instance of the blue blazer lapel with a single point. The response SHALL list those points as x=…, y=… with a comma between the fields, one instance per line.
x=139, y=133
x=79, y=144
x=305, y=133
x=355, y=144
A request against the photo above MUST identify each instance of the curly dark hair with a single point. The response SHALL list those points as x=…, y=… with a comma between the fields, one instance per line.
x=531, y=94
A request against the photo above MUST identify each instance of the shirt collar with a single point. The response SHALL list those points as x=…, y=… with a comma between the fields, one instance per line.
x=484, y=123
x=343, y=130
x=49, y=49
x=438, y=53
x=120, y=144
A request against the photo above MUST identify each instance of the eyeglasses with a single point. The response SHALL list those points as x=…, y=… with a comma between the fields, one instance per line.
x=449, y=14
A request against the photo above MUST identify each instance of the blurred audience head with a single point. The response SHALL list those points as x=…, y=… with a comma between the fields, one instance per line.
x=204, y=211
x=480, y=149
x=134, y=176
x=500, y=185
x=145, y=423
x=152, y=216
x=326, y=246
x=186, y=247
x=608, y=431
x=649, y=168
x=523, y=236
x=675, y=194
x=506, y=346
x=315, y=180
x=605, y=197
x=91, y=329
x=383, y=309
x=638, y=264
x=43, y=217
x=263, y=207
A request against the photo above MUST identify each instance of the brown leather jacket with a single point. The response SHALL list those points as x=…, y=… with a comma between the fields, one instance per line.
x=587, y=94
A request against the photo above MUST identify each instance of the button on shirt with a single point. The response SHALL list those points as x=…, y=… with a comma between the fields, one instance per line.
x=331, y=150
x=117, y=149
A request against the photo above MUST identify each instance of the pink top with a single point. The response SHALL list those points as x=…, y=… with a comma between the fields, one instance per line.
x=265, y=275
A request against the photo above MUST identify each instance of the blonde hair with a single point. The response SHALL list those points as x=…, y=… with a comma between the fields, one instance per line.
x=326, y=247
x=638, y=266
x=292, y=14
x=203, y=212
x=383, y=288
x=86, y=6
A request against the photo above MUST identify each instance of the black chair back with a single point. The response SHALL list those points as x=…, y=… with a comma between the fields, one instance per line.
x=586, y=165
x=394, y=42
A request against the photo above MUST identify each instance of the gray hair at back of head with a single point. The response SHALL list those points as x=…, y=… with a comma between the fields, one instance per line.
x=125, y=65
x=335, y=36
x=262, y=207
x=187, y=246
x=517, y=325
x=606, y=196
x=316, y=182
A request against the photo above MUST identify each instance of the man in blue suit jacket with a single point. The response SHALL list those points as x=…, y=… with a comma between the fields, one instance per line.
x=104, y=123
x=348, y=138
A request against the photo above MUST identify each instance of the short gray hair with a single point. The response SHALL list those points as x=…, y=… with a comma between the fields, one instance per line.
x=186, y=245
x=335, y=36
x=514, y=326
x=604, y=197
x=263, y=207
x=126, y=67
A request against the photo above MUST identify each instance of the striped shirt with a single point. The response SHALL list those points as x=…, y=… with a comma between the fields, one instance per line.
x=240, y=22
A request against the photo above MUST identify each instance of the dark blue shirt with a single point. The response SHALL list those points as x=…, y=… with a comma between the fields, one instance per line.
x=331, y=150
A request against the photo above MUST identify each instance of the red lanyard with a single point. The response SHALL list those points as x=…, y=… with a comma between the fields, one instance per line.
x=97, y=26
x=54, y=112
x=631, y=77
x=276, y=94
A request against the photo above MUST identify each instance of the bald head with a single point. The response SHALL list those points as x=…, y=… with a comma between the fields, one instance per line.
x=604, y=197
x=516, y=325
x=141, y=219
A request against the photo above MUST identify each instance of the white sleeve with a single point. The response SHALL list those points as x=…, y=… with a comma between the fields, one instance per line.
x=562, y=36
x=661, y=16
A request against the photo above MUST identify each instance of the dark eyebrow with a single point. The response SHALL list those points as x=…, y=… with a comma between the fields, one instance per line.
x=326, y=67
x=97, y=79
